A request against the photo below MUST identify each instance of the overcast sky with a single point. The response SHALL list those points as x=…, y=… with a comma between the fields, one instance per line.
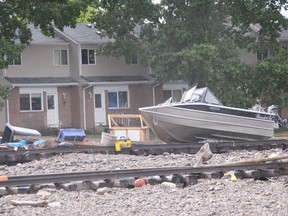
x=285, y=13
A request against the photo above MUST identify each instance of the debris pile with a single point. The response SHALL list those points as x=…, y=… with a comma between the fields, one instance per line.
x=18, y=138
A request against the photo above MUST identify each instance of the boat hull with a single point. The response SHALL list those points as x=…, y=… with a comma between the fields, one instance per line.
x=173, y=124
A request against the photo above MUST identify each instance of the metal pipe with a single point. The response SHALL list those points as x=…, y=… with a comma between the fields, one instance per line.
x=7, y=106
x=154, y=102
x=84, y=107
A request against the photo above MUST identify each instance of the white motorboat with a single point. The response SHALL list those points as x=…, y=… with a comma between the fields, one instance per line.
x=200, y=115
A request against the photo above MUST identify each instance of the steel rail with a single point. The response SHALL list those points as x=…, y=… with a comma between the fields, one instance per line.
x=140, y=148
x=116, y=174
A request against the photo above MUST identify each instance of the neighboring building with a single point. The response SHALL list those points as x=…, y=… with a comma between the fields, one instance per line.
x=59, y=82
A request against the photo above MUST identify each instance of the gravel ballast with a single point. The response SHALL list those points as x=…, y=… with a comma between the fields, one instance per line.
x=207, y=197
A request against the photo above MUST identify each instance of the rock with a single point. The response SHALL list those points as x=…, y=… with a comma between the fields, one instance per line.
x=103, y=190
x=54, y=204
x=169, y=184
x=203, y=155
x=43, y=193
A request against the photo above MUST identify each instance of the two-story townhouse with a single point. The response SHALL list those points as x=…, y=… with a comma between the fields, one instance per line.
x=61, y=82
x=39, y=80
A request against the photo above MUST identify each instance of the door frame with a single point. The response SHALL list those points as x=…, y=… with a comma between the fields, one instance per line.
x=56, y=110
x=103, y=121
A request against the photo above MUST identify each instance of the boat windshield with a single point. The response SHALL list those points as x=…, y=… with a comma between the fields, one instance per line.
x=203, y=95
x=188, y=94
x=169, y=101
x=211, y=99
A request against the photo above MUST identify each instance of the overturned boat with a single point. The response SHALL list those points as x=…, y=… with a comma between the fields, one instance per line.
x=200, y=115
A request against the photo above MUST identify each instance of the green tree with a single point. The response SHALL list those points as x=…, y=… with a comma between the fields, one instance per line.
x=16, y=14
x=197, y=41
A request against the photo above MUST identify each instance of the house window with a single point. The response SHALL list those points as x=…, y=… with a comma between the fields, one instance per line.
x=175, y=94
x=262, y=55
x=60, y=57
x=16, y=61
x=98, y=102
x=118, y=99
x=31, y=102
x=88, y=56
x=133, y=60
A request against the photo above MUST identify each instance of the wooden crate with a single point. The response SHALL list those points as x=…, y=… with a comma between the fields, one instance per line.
x=130, y=126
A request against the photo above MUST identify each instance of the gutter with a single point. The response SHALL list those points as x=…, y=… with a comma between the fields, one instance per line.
x=119, y=83
x=46, y=84
x=7, y=106
x=84, y=106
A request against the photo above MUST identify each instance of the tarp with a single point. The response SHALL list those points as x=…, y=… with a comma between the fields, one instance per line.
x=71, y=134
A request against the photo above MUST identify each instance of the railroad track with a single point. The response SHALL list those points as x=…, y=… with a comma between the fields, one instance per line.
x=179, y=175
x=12, y=157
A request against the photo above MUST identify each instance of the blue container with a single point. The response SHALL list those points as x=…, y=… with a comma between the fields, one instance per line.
x=71, y=135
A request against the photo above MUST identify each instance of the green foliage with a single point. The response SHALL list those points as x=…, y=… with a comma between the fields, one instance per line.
x=15, y=14
x=4, y=94
x=271, y=78
x=199, y=41
x=85, y=15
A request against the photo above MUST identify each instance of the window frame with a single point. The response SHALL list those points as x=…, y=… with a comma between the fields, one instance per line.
x=31, y=101
x=263, y=55
x=13, y=61
x=173, y=94
x=88, y=56
x=118, y=91
x=60, y=56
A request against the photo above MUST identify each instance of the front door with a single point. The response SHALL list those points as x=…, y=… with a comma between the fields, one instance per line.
x=52, y=110
x=99, y=107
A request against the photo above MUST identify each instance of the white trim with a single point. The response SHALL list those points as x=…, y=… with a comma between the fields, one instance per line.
x=117, y=89
x=16, y=65
x=37, y=90
x=120, y=83
x=30, y=99
x=45, y=84
x=61, y=64
x=88, y=49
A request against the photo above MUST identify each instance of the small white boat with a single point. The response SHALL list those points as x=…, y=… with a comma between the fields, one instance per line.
x=200, y=116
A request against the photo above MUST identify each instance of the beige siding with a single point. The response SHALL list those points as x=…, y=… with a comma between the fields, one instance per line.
x=74, y=59
x=37, y=61
x=110, y=66
x=248, y=57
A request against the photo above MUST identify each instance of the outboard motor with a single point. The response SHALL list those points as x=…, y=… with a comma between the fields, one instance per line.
x=275, y=109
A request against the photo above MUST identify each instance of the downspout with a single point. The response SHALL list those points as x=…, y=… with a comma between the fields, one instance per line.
x=154, y=100
x=7, y=106
x=79, y=59
x=84, y=106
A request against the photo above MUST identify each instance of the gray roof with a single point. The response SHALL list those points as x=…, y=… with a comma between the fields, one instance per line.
x=41, y=80
x=39, y=38
x=114, y=78
x=85, y=33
